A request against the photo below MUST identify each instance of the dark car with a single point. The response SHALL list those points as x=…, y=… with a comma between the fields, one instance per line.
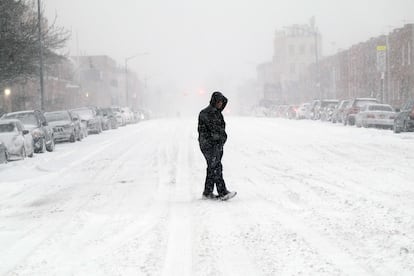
x=64, y=127
x=404, y=121
x=36, y=123
x=354, y=107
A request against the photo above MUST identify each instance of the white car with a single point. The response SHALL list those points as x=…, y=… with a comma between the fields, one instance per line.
x=19, y=142
x=129, y=115
x=301, y=112
x=375, y=115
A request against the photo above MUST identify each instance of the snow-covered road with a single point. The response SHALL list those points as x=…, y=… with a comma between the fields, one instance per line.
x=313, y=199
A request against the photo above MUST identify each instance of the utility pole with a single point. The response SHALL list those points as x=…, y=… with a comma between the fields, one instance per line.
x=39, y=19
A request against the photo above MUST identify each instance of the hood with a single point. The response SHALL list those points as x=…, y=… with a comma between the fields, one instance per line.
x=59, y=123
x=8, y=139
x=216, y=97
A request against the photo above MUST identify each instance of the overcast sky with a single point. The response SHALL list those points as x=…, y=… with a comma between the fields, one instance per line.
x=201, y=44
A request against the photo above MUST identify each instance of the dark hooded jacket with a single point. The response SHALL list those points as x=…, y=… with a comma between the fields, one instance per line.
x=211, y=125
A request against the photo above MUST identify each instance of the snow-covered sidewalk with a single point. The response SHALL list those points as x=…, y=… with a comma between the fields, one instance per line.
x=313, y=199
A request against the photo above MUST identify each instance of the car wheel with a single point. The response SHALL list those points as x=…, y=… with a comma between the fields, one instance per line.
x=43, y=148
x=51, y=147
x=72, y=138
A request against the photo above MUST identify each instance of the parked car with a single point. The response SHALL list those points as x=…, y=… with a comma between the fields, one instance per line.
x=326, y=113
x=404, y=120
x=18, y=141
x=354, y=107
x=88, y=115
x=291, y=111
x=301, y=113
x=64, y=128
x=109, y=118
x=119, y=115
x=320, y=106
x=129, y=115
x=311, y=114
x=3, y=153
x=36, y=123
x=81, y=124
x=338, y=114
x=375, y=115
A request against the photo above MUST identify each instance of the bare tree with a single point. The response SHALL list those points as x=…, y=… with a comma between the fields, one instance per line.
x=19, y=41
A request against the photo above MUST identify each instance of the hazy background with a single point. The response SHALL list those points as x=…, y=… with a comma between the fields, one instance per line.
x=215, y=44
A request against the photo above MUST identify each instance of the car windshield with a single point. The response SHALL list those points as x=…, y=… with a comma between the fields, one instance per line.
x=83, y=112
x=364, y=102
x=57, y=116
x=380, y=108
x=25, y=118
x=329, y=103
x=6, y=128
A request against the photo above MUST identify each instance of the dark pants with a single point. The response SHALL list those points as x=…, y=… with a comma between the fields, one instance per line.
x=213, y=157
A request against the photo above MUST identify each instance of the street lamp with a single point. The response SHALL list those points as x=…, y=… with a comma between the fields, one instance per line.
x=7, y=92
x=126, y=73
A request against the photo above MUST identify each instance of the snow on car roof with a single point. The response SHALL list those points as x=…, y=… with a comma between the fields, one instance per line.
x=8, y=121
x=21, y=112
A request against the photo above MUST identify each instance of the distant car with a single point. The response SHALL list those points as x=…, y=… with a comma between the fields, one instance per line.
x=375, y=115
x=291, y=111
x=89, y=115
x=119, y=115
x=326, y=113
x=404, y=120
x=109, y=117
x=79, y=124
x=354, y=107
x=36, y=123
x=3, y=153
x=311, y=111
x=320, y=107
x=301, y=112
x=63, y=126
x=129, y=115
x=18, y=141
x=338, y=113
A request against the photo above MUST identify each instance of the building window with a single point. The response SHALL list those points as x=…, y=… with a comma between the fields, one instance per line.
x=292, y=50
x=292, y=68
x=403, y=54
x=302, y=49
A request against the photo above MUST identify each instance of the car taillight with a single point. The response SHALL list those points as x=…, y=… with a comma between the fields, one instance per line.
x=354, y=110
x=370, y=116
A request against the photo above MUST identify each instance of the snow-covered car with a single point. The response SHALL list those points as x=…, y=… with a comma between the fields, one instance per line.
x=338, y=113
x=375, y=115
x=354, y=107
x=36, y=123
x=321, y=106
x=404, y=120
x=89, y=116
x=18, y=141
x=110, y=117
x=120, y=117
x=3, y=153
x=129, y=115
x=63, y=126
x=301, y=113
